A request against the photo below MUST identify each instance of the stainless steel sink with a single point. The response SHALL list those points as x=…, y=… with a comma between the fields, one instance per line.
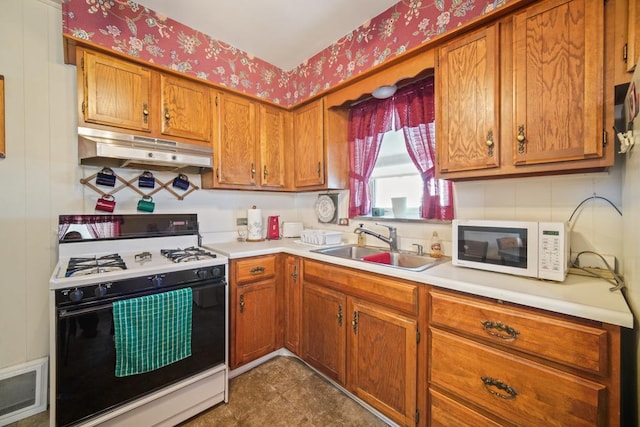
x=403, y=260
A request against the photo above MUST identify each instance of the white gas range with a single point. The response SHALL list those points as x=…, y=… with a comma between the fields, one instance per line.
x=131, y=258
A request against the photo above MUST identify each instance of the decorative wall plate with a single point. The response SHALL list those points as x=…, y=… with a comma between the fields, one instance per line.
x=326, y=208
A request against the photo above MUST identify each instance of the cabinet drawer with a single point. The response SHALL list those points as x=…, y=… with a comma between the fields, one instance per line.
x=445, y=411
x=572, y=344
x=520, y=391
x=251, y=269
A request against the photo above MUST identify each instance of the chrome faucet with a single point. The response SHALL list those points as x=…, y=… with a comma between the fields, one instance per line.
x=392, y=240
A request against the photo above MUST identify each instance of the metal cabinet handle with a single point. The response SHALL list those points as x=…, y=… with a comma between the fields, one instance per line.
x=489, y=383
x=499, y=330
x=339, y=315
x=253, y=171
x=490, y=143
x=319, y=169
x=145, y=112
x=257, y=270
x=264, y=172
x=354, y=322
x=242, y=303
x=167, y=116
x=294, y=275
x=522, y=139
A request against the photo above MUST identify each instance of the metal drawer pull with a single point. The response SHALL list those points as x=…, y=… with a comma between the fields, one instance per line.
x=257, y=270
x=340, y=315
x=492, y=382
x=511, y=334
x=242, y=303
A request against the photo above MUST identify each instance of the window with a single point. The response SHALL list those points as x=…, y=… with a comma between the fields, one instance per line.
x=395, y=176
x=389, y=178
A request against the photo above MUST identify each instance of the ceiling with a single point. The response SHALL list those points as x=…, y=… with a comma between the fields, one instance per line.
x=284, y=33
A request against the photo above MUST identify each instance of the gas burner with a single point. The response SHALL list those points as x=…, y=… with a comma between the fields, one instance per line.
x=184, y=255
x=84, y=265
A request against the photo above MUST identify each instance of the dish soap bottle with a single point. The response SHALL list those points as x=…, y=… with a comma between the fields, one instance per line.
x=362, y=239
x=436, y=246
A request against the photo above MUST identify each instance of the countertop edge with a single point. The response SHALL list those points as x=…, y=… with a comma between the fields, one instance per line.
x=578, y=296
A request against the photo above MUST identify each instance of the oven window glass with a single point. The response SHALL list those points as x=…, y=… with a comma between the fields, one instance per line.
x=86, y=383
x=493, y=245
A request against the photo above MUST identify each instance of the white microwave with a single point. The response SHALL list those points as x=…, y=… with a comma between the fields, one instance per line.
x=532, y=249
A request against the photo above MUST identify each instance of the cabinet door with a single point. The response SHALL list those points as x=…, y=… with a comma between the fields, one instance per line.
x=116, y=93
x=467, y=82
x=255, y=321
x=292, y=304
x=272, y=146
x=558, y=69
x=186, y=108
x=235, y=156
x=633, y=34
x=324, y=323
x=382, y=361
x=309, y=145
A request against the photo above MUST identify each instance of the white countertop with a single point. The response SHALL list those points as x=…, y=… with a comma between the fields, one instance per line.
x=578, y=296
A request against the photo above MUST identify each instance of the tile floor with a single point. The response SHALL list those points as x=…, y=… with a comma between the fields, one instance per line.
x=281, y=392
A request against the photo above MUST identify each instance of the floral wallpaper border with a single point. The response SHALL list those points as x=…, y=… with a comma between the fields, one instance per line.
x=129, y=28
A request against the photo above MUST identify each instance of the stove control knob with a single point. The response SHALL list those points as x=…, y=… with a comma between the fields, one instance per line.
x=216, y=272
x=76, y=295
x=202, y=274
x=157, y=280
x=100, y=291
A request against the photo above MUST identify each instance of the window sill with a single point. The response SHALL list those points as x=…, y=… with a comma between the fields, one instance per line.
x=391, y=218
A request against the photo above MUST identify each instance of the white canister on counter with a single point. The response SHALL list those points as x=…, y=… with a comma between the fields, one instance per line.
x=254, y=224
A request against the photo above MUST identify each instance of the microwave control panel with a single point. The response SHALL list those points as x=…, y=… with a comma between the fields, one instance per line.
x=553, y=251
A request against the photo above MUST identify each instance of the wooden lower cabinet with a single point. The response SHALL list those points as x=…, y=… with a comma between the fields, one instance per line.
x=365, y=346
x=324, y=339
x=255, y=309
x=382, y=349
x=493, y=363
x=292, y=304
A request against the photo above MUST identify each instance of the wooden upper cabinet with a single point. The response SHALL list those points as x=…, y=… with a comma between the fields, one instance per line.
x=116, y=93
x=308, y=140
x=558, y=62
x=467, y=81
x=633, y=34
x=272, y=147
x=235, y=160
x=186, y=108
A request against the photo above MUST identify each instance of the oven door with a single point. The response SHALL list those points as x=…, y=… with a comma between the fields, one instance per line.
x=86, y=385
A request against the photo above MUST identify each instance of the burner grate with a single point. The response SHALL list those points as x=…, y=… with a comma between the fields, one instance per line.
x=94, y=265
x=185, y=255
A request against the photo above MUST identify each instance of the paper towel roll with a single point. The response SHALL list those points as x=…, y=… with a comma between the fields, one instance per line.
x=254, y=224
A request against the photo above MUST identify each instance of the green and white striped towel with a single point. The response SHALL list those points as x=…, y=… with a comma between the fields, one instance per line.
x=152, y=331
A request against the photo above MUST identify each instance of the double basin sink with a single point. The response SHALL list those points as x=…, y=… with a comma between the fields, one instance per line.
x=402, y=259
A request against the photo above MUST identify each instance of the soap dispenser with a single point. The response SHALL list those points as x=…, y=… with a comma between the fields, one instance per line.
x=436, y=246
x=362, y=239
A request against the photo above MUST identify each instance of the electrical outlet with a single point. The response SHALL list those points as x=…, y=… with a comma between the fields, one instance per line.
x=594, y=261
x=241, y=221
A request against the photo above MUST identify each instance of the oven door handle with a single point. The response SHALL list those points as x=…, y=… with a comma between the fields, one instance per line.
x=64, y=313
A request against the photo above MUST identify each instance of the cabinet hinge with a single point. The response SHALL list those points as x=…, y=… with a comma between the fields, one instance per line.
x=624, y=52
x=417, y=416
x=418, y=336
x=216, y=101
x=82, y=63
x=82, y=107
x=604, y=138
